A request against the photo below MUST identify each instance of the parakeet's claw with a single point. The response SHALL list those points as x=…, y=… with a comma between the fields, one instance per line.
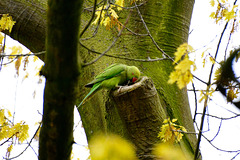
x=119, y=88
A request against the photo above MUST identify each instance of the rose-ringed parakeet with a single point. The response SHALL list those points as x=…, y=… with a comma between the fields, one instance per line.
x=112, y=77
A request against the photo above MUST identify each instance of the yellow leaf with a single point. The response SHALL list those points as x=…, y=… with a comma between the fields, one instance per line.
x=16, y=50
x=35, y=58
x=9, y=149
x=24, y=133
x=228, y=15
x=98, y=12
x=1, y=39
x=170, y=152
x=212, y=3
x=182, y=50
x=17, y=65
x=166, y=120
x=213, y=15
x=184, y=65
x=182, y=74
x=119, y=3
x=111, y=147
x=2, y=115
x=113, y=14
x=167, y=130
x=205, y=95
x=26, y=76
x=25, y=62
x=173, y=77
x=9, y=114
x=6, y=22
x=107, y=22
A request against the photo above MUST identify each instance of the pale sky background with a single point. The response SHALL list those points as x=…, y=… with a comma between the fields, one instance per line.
x=17, y=95
x=206, y=32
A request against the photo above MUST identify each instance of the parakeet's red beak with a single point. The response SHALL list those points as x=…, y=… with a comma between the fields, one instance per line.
x=134, y=79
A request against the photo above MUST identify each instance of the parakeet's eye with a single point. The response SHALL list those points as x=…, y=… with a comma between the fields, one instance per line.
x=134, y=79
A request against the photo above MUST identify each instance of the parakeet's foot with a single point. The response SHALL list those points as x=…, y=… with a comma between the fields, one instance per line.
x=119, y=88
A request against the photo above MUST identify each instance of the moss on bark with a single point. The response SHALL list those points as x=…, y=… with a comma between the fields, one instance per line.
x=168, y=22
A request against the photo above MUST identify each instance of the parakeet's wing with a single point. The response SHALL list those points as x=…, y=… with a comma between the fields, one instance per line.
x=109, y=72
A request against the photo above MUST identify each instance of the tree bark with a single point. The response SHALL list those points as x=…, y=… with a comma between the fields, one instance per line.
x=168, y=22
x=61, y=71
x=30, y=27
x=140, y=109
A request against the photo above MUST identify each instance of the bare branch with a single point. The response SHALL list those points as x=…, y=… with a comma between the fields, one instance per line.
x=221, y=118
x=195, y=97
x=219, y=128
x=223, y=150
x=113, y=43
x=18, y=55
x=125, y=58
x=90, y=21
x=155, y=43
x=208, y=88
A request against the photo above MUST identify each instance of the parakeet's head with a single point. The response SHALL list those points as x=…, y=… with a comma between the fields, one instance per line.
x=133, y=73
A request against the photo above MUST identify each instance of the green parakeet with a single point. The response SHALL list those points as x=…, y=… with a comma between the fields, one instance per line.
x=112, y=77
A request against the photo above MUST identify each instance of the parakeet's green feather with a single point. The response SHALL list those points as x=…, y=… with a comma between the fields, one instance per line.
x=114, y=75
x=111, y=71
x=94, y=89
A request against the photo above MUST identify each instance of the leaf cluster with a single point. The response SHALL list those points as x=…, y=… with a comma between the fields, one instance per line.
x=224, y=10
x=107, y=15
x=10, y=132
x=182, y=71
x=171, y=132
x=6, y=23
x=113, y=147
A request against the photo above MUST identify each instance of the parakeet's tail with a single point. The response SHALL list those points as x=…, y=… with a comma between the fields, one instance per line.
x=91, y=93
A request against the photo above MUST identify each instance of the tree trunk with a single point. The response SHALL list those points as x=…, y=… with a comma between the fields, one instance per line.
x=168, y=23
x=30, y=29
x=140, y=109
x=61, y=71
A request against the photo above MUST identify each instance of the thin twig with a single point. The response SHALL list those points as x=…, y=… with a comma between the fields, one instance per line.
x=195, y=97
x=235, y=155
x=154, y=42
x=96, y=30
x=136, y=34
x=221, y=118
x=88, y=8
x=230, y=151
x=128, y=7
x=90, y=21
x=113, y=43
x=125, y=58
x=199, y=79
x=18, y=55
x=7, y=139
x=219, y=128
